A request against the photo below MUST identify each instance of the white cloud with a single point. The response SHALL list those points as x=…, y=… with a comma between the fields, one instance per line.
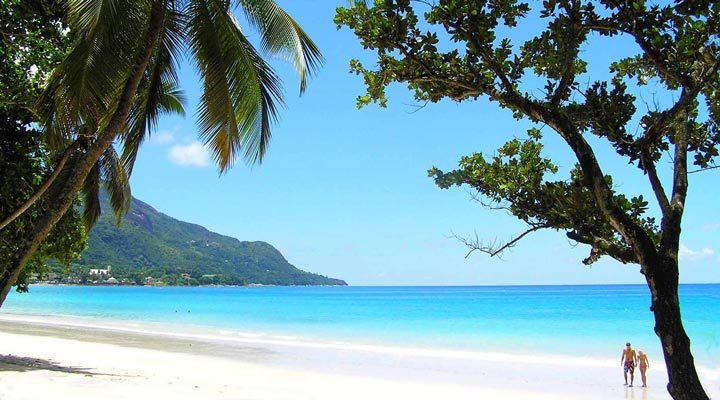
x=695, y=255
x=163, y=137
x=193, y=154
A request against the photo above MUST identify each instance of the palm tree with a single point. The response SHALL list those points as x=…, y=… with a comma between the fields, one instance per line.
x=115, y=82
x=109, y=169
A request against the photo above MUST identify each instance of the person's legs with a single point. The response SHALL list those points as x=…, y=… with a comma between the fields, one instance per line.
x=632, y=376
x=642, y=375
x=625, y=371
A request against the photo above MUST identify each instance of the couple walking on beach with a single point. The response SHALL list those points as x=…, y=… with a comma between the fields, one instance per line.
x=629, y=358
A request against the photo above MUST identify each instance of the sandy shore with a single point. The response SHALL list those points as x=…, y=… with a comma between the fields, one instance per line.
x=42, y=359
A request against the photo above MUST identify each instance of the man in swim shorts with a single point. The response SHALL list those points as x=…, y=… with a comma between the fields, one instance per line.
x=628, y=360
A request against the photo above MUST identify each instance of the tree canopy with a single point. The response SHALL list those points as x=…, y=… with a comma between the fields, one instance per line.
x=678, y=49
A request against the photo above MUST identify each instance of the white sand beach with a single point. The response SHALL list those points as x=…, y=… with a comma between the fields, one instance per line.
x=43, y=359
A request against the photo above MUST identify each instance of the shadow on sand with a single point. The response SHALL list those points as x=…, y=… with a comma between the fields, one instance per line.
x=11, y=363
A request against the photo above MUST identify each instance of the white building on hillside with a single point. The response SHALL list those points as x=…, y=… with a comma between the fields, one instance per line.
x=100, y=272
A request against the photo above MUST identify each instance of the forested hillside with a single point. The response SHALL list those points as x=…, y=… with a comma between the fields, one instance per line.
x=151, y=244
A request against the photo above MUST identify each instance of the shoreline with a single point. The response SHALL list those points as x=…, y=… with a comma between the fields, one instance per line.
x=230, y=337
x=559, y=285
x=370, y=370
x=196, y=334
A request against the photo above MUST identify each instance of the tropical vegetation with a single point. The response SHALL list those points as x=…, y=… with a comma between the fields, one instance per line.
x=32, y=43
x=120, y=74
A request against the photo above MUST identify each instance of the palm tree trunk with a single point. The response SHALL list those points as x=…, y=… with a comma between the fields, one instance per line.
x=67, y=194
x=43, y=188
x=683, y=380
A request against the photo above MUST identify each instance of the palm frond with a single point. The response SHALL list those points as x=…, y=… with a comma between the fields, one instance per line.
x=281, y=35
x=86, y=84
x=158, y=93
x=85, y=16
x=107, y=174
x=168, y=99
x=238, y=104
x=67, y=100
x=172, y=100
x=116, y=182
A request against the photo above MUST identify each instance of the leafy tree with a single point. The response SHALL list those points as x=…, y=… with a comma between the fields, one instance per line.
x=32, y=42
x=120, y=75
x=464, y=50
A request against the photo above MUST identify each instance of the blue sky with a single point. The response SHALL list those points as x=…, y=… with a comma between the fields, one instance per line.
x=345, y=192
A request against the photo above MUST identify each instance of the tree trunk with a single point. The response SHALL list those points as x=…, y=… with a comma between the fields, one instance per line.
x=67, y=193
x=59, y=206
x=43, y=188
x=683, y=380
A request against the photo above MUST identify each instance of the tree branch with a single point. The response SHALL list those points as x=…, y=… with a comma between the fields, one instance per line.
x=593, y=175
x=680, y=179
x=568, y=74
x=601, y=246
x=654, y=132
x=649, y=167
x=655, y=57
x=488, y=59
x=704, y=169
x=43, y=188
x=492, y=249
x=670, y=240
x=477, y=196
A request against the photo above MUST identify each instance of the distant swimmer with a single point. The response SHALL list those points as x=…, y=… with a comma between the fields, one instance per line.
x=644, y=364
x=628, y=360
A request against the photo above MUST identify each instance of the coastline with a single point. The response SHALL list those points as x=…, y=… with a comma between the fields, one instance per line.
x=195, y=364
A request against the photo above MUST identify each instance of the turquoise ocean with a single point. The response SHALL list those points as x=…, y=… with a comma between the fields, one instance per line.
x=569, y=320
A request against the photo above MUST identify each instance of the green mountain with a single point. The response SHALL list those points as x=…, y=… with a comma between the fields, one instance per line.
x=149, y=243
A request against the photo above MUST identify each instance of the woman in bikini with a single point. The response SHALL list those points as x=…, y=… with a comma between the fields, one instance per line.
x=644, y=364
